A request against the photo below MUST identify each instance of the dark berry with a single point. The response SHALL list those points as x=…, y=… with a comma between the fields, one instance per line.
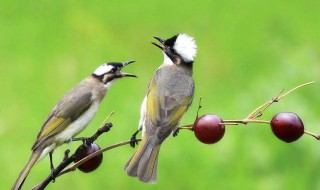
x=287, y=126
x=92, y=163
x=208, y=129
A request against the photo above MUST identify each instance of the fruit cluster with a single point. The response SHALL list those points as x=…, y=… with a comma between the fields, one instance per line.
x=287, y=126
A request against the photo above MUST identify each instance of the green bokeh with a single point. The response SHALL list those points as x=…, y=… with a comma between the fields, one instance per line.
x=247, y=52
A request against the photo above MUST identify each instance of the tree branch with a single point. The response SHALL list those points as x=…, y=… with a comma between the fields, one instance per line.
x=63, y=166
x=68, y=160
x=75, y=165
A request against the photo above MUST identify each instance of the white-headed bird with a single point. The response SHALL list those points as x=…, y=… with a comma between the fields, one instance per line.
x=169, y=95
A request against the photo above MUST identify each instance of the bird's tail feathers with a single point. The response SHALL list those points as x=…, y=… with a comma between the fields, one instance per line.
x=143, y=163
x=24, y=173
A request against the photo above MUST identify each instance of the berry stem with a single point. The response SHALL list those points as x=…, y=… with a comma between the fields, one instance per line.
x=312, y=134
x=188, y=127
x=243, y=121
x=199, y=107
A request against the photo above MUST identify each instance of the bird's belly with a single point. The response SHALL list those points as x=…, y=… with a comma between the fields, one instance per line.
x=78, y=125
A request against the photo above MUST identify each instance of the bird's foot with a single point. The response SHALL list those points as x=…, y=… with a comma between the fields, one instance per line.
x=175, y=132
x=53, y=177
x=133, y=140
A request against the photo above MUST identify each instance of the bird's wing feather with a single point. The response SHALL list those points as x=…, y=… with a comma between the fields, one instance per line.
x=166, y=105
x=68, y=109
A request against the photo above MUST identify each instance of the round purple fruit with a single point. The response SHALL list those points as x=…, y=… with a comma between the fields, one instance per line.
x=287, y=126
x=91, y=164
x=208, y=129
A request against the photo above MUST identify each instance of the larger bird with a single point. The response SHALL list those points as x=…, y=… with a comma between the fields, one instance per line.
x=72, y=113
x=169, y=95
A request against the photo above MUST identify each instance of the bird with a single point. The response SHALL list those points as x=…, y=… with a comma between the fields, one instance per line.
x=72, y=113
x=169, y=95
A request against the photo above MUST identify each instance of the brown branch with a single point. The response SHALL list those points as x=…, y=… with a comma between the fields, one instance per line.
x=68, y=160
x=75, y=165
x=105, y=127
x=63, y=169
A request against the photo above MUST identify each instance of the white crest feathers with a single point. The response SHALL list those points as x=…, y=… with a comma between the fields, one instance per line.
x=186, y=47
x=103, y=69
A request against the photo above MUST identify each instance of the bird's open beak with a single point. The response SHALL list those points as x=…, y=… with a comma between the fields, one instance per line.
x=122, y=74
x=161, y=46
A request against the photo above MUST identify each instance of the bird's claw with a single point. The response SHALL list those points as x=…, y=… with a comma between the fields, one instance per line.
x=53, y=177
x=133, y=141
x=175, y=132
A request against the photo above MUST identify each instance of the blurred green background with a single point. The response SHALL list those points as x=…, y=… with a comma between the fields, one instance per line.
x=247, y=52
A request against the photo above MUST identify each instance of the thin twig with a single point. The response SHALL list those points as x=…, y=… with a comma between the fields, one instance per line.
x=199, y=107
x=313, y=135
x=258, y=111
x=189, y=127
x=262, y=107
x=243, y=121
x=106, y=119
x=295, y=88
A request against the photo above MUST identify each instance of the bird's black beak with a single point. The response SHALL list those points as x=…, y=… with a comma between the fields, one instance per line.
x=161, y=46
x=122, y=74
x=127, y=63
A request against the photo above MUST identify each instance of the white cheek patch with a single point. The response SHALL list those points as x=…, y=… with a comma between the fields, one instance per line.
x=109, y=84
x=167, y=59
x=186, y=47
x=103, y=69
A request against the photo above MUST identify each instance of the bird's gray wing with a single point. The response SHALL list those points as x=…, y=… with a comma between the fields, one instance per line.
x=68, y=109
x=170, y=94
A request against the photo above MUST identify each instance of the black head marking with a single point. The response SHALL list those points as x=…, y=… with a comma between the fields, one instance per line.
x=115, y=64
x=170, y=42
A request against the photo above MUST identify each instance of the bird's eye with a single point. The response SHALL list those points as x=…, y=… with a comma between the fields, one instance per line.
x=114, y=69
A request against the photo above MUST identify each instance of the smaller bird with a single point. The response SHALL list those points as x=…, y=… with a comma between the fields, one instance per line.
x=169, y=95
x=73, y=113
